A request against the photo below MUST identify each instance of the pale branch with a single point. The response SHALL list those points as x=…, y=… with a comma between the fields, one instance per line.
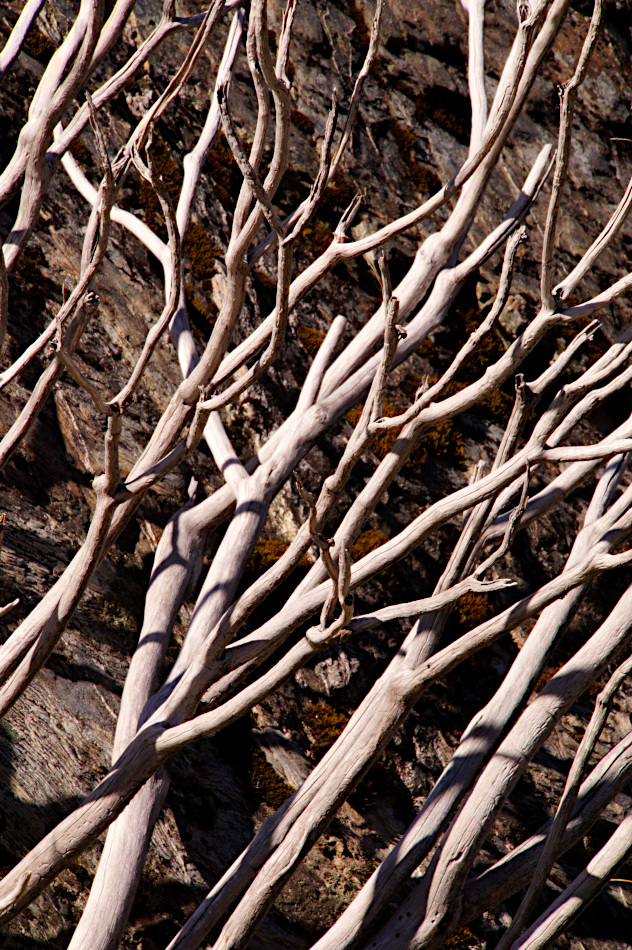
x=18, y=34
x=581, y=891
x=567, y=109
x=513, y=871
x=565, y=806
x=231, y=668
x=596, y=249
x=458, y=849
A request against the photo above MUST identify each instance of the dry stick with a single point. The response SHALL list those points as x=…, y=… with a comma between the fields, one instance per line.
x=372, y=707
x=179, y=409
x=338, y=251
x=167, y=25
x=476, y=69
x=496, y=520
x=235, y=256
x=179, y=329
x=477, y=743
x=177, y=564
x=123, y=858
x=272, y=634
x=304, y=816
x=596, y=249
x=438, y=303
x=19, y=33
x=426, y=925
x=31, y=644
x=4, y=299
x=84, y=306
x=333, y=486
x=437, y=250
x=581, y=891
x=172, y=292
x=50, y=81
x=44, y=386
x=411, y=290
x=65, y=76
x=567, y=110
x=146, y=806
x=138, y=139
x=523, y=405
x=193, y=163
x=504, y=878
x=142, y=758
x=588, y=403
x=448, y=507
x=565, y=806
x=429, y=627
x=369, y=61
x=331, y=490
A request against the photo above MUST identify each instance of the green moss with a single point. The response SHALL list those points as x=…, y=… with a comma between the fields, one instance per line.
x=264, y=780
x=310, y=339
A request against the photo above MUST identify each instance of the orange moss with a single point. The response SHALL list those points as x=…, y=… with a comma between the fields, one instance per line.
x=267, y=552
x=264, y=780
x=461, y=939
x=473, y=609
x=201, y=252
x=201, y=312
x=422, y=176
x=546, y=674
x=302, y=123
x=80, y=151
x=222, y=168
x=39, y=46
x=30, y=262
x=444, y=440
x=317, y=237
x=368, y=541
x=323, y=724
x=171, y=175
x=381, y=782
x=266, y=281
x=310, y=339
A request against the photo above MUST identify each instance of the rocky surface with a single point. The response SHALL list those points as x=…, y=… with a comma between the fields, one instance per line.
x=411, y=134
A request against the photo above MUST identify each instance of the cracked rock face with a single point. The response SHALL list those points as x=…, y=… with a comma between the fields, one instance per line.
x=411, y=135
